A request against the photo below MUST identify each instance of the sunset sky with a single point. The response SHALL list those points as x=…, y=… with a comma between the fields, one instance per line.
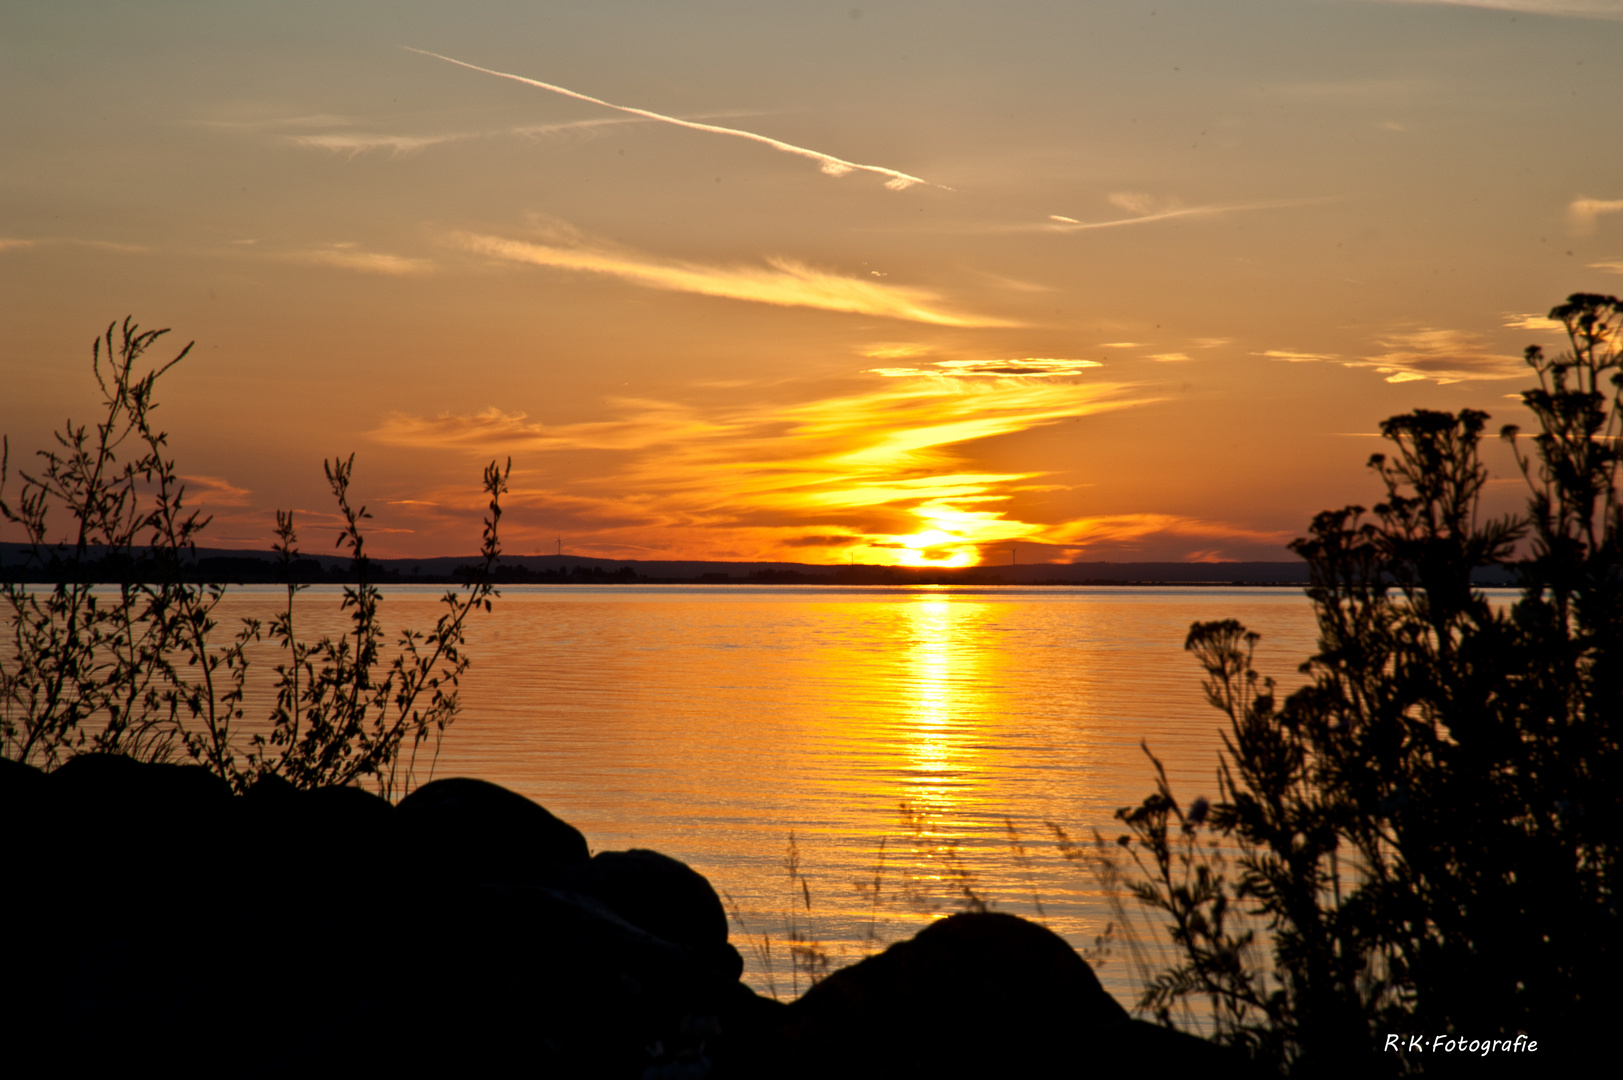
x=872, y=281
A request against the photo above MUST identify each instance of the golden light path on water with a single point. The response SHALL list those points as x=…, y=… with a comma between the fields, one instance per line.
x=918, y=739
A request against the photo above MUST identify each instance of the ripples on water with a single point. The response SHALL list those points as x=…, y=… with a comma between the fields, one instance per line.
x=708, y=722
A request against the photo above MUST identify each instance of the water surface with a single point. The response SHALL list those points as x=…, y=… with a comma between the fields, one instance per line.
x=922, y=736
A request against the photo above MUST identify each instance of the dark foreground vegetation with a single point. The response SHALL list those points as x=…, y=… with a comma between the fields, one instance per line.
x=1424, y=839
x=163, y=926
x=142, y=670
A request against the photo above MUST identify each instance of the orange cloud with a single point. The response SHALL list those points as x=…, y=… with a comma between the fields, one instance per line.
x=348, y=256
x=1446, y=356
x=1582, y=213
x=881, y=475
x=1124, y=530
x=1032, y=367
x=215, y=491
x=783, y=282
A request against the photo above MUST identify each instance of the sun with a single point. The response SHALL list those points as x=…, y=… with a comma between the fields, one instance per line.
x=933, y=547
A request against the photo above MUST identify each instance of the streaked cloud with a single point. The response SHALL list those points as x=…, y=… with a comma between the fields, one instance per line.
x=1611, y=266
x=215, y=491
x=1121, y=345
x=24, y=243
x=1124, y=534
x=1293, y=357
x=1141, y=202
x=1582, y=213
x=1148, y=209
x=827, y=163
x=895, y=350
x=1169, y=357
x=882, y=475
x=1602, y=9
x=349, y=256
x=347, y=135
x=1445, y=356
x=782, y=281
x=1030, y=367
x=1531, y=322
x=271, y=123
x=359, y=142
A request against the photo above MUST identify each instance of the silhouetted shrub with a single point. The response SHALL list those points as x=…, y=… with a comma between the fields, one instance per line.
x=141, y=671
x=1427, y=832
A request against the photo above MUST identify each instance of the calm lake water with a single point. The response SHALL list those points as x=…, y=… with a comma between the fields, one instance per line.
x=920, y=736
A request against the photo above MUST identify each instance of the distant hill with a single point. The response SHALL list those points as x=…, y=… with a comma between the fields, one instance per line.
x=233, y=565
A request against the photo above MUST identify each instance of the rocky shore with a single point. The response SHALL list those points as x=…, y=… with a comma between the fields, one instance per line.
x=160, y=925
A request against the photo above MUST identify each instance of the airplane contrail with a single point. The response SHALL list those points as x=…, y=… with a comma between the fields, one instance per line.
x=828, y=163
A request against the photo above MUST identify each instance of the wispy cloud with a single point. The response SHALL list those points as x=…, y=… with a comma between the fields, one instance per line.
x=883, y=475
x=1169, y=357
x=1292, y=356
x=1445, y=356
x=828, y=163
x=348, y=256
x=24, y=243
x=1611, y=266
x=1127, y=534
x=1031, y=367
x=895, y=350
x=1148, y=209
x=1582, y=213
x=271, y=123
x=352, y=143
x=782, y=281
x=1531, y=321
x=215, y=491
x=359, y=142
x=1601, y=9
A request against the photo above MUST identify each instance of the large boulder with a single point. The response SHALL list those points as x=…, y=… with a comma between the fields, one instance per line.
x=503, y=980
x=462, y=830
x=974, y=995
x=663, y=896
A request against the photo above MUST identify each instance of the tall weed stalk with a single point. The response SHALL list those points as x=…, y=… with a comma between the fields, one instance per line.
x=140, y=671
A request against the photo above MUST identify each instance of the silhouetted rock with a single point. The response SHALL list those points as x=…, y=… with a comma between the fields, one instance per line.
x=974, y=995
x=971, y=995
x=161, y=925
x=508, y=979
x=463, y=830
x=663, y=896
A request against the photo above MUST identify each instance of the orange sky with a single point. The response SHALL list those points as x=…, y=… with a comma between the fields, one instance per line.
x=892, y=282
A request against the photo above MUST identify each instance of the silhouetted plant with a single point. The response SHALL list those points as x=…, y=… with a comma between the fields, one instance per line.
x=337, y=718
x=117, y=673
x=807, y=956
x=1428, y=830
x=139, y=671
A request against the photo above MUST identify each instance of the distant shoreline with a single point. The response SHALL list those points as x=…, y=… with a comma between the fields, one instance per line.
x=238, y=567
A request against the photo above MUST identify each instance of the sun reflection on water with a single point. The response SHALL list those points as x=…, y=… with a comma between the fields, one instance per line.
x=942, y=701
